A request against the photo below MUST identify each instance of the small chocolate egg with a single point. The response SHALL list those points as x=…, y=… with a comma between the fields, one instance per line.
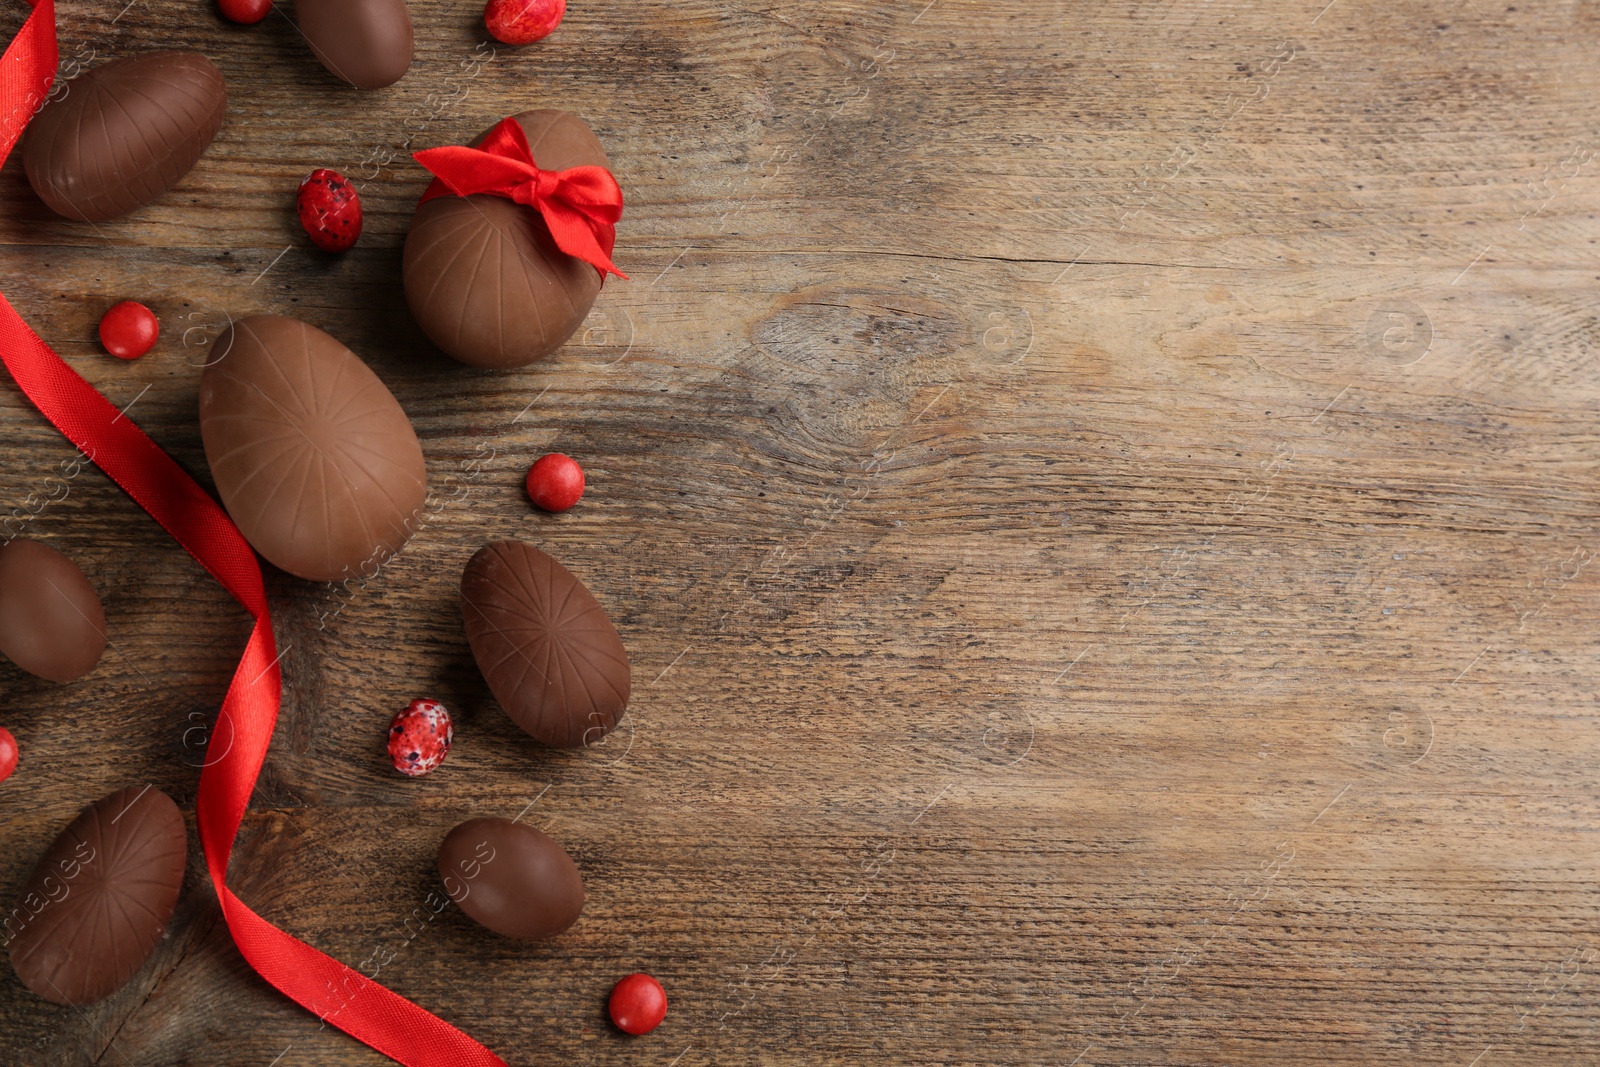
x=544, y=644
x=97, y=903
x=367, y=43
x=313, y=457
x=484, y=278
x=124, y=133
x=514, y=879
x=51, y=621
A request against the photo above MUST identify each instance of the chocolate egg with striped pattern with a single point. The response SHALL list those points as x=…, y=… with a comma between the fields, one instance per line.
x=313, y=457
x=123, y=134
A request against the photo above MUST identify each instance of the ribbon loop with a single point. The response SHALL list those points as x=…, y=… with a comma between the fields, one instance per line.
x=581, y=205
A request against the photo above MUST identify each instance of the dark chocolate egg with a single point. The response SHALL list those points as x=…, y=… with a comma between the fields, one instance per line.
x=312, y=455
x=98, y=901
x=551, y=657
x=367, y=43
x=124, y=134
x=512, y=878
x=483, y=276
x=51, y=621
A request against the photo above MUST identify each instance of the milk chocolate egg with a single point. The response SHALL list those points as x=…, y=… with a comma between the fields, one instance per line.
x=98, y=901
x=312, y=455
x=483, y=276
x=551, y=657
x=512, y=878
x=51, y=621
x=367, y=43
x=124, y=133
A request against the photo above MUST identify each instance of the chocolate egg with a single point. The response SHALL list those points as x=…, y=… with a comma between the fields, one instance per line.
x=51, y=621
x=367, y=43
x=483, y=276
x=551, y=657
x=124, y=133
x=312, y=455
x=98, y=901
x=514, y=879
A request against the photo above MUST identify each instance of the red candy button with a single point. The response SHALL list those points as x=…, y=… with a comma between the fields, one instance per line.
x=638, y=1004
x=555, y=483
x=523, y=21
x=8, y=753
x=129, y=330
x=330, y=210
x=245, y=12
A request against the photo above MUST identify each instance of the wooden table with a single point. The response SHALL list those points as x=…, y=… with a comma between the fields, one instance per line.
x=1099, y=497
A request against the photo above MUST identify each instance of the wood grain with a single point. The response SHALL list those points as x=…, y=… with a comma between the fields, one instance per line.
x=1099, y=498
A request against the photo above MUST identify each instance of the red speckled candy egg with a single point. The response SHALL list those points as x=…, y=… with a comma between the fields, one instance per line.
x=330, y=210
x=523, y=21
x=419, y=737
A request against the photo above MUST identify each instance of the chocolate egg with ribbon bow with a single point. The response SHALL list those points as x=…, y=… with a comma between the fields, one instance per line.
x=503, y=275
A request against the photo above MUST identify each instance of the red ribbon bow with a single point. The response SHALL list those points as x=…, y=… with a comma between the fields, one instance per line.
x=581, y=205
x=338, y=994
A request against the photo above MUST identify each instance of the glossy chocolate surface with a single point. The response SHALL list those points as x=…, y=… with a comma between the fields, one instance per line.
x=367, y=43
x=512, y=878
x=124, y=134
x=98, y=901
x=484, y=278
x=312, y=455
x=51, y=621
x=544, y=644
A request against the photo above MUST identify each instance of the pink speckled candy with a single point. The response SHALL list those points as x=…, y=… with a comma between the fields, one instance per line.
x=419, y=737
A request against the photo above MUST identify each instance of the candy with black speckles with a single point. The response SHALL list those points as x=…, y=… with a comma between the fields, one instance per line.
x=420, y=737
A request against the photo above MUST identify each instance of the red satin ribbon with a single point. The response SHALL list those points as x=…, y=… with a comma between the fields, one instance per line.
x=342, y=996
x=581, y=205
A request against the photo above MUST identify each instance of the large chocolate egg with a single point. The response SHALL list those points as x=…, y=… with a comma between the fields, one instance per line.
x=367, y=43
x=551, y=657
x=51, y=621
x=312, y=455
x=512, y=878
x=97, y=903
x=124, y=133
x=483, y=276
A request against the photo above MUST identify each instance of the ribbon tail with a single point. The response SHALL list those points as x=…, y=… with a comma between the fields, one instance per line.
x=26, y=71
x=578, y=234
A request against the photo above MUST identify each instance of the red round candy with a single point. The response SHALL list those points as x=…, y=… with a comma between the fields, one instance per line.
x=330, y=210
x=555, y=482
x=245, y=12
x=419, y=737
x=8, y=753
x=523, y=21
x=638, y=1004
x=129, y=330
